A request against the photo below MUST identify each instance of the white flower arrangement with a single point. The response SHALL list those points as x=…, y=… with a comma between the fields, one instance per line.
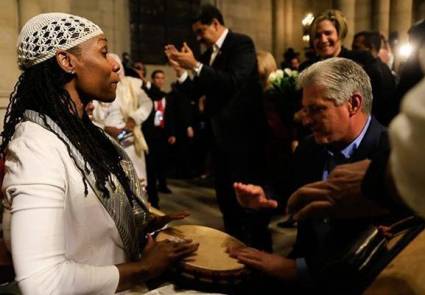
x=283, y=80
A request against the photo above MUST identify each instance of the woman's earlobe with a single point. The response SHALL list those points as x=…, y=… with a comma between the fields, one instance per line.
x=64, y=61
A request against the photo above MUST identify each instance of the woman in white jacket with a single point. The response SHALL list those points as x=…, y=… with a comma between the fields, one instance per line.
x=72, y=192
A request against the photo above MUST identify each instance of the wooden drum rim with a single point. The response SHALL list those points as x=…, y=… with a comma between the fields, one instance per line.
x=196, y=269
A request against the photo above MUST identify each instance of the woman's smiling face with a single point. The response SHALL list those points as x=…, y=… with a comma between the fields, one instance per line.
x=326, y=41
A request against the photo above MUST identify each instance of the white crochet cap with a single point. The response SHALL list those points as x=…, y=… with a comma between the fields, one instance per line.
x=45, y=33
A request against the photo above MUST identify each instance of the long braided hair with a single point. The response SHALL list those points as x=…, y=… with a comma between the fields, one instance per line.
x=41, y=88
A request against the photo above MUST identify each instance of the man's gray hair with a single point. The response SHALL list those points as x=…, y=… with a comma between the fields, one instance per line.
x=340, y=78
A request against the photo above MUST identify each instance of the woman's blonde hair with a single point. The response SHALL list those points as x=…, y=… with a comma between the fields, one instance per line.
x=266, y=65
x=334, y=16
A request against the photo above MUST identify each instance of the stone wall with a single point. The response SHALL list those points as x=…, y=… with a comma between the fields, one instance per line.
x=9, y=27
x=251, y=17
x=112, y=16
x=274, y=25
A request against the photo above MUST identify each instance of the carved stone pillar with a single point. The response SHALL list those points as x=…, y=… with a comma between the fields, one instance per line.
x=381, y=19
x=363, y=20
x=9, y=24
x=122, y=26
x=348, y=8
x=27, y=9
x=278, y=28
x=401, y=17
x=62, y=6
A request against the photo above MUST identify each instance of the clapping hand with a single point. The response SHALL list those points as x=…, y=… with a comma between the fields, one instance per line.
x=170, y=50
x=183, y=58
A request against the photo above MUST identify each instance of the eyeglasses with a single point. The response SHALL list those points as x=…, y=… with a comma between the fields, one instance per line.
x=313, y=109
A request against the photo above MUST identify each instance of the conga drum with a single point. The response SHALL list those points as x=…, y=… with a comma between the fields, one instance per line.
x=210, y=268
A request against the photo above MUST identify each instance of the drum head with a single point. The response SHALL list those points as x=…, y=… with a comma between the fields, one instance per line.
x=211, y=256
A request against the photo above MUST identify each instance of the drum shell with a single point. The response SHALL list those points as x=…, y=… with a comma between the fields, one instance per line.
x=196, y=273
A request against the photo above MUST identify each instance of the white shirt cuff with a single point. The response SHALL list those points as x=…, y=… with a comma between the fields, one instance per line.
x=183, y=77
x=197, y=70
x=147, y=84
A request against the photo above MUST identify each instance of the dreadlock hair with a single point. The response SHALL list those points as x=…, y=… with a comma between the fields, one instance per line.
x=41, y=88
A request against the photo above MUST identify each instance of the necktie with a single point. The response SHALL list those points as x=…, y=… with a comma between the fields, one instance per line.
x=213, y=54
x=159, y=115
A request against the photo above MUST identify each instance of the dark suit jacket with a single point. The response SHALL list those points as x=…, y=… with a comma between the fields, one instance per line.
x=233, y=100
x=310, y=160
x=383, y=83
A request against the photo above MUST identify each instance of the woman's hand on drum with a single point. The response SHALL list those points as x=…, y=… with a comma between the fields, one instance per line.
x=157, y=257
x=252, y=196
x=272, y=264
x=159, y=222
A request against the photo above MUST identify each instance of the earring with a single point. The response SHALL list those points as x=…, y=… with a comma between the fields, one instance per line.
x=71, y=72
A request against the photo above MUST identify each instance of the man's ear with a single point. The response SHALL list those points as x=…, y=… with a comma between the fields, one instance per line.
x=65, y=61
x=215, y=22
x=355, y=103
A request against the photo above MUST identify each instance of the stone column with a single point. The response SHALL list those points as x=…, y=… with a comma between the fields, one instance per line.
x=381, y=19
x=300, y=10
x=9, y=23
x=287, y=26
x=348, y=8
x=250, y=17
x=28, y=9
x=363, y=20
x=122, y=26
x=401, y=17
x=278, y=28
x=317, y=6
x=54, y=5
x=289, y=23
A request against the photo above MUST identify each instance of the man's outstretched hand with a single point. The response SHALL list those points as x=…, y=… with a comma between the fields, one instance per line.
x=253, y=196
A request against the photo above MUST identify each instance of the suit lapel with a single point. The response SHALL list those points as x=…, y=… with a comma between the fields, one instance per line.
x=220, y=57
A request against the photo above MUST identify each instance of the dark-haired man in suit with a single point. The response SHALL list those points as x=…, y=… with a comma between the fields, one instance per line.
x=227, y=75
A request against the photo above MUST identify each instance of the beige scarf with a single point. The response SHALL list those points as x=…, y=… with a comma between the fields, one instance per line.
x=126, y=90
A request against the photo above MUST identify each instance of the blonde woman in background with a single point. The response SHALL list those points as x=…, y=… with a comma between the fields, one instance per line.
x=266, y=65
